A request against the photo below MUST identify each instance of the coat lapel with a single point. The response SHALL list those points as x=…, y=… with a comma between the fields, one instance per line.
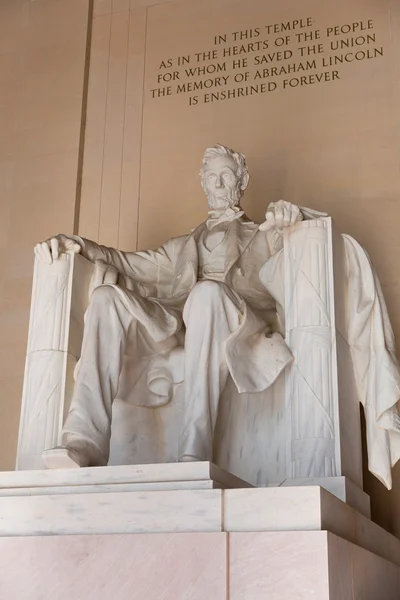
x=240, y=236
x=187, y=265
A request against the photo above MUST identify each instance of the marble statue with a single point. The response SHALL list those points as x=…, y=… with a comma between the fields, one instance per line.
x=207, y=306
x=204, y=287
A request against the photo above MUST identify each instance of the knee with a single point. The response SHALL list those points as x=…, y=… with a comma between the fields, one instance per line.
x=104, y=296
x=207, y=290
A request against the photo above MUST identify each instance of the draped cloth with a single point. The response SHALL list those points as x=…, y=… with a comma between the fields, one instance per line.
x=376, y=368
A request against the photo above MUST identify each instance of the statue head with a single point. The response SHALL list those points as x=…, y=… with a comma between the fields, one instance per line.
x=224, y=177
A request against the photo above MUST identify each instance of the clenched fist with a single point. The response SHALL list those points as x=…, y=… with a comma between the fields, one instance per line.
x=281, y=214
x=52, y=248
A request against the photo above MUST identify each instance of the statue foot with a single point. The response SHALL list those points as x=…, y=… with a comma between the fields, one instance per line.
x=190, y=458
x=63, y=458
x=75, y=453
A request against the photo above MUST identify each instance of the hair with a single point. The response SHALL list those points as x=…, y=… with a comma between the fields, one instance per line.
x=240, y=161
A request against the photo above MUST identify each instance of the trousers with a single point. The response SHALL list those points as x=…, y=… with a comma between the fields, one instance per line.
x=212, y=312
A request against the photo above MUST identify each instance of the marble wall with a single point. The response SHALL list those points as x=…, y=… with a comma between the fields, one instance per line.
x=332, y=146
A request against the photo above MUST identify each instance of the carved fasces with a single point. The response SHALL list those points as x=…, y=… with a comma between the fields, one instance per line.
x=311, y=381
x=60, y=294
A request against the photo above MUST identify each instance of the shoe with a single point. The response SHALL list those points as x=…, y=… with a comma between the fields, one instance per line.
x=189, y=458
x=77, y=453
x=63, y=458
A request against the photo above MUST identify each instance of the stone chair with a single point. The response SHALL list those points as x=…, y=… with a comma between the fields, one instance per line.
x=303, y=430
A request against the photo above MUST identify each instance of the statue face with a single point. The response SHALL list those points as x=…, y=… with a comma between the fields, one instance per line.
x=221, y=183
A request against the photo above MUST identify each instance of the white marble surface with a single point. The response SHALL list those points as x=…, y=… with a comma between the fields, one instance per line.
x=305, y=508
x=179, y=474
x=59, y=298
x=116, y=487
x=118, y=507
x=341, y=487
x=113, y=512
x=273, y=509
x=311, y=390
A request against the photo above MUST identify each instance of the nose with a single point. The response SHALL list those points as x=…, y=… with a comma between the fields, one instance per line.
x=219, y=182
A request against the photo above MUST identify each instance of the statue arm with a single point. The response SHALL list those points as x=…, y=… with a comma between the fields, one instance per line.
x=147, y=266
x=154, y=268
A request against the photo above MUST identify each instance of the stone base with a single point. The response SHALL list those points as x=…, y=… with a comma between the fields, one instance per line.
x=207, y=541
x=341, y=487
x=177, y=497
x=194, y=566
x=125, y=478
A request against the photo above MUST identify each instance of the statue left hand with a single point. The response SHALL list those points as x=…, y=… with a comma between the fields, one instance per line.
x=281, y=214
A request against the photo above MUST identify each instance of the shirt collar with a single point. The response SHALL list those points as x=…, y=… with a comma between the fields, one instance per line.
x=215, y=217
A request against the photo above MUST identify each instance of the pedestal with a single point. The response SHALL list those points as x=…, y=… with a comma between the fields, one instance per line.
x=299, y=565
x=178, y=532
x=341, y=487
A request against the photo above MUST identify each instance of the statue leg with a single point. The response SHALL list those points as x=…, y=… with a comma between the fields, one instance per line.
x=87, y=429
x=212, y=313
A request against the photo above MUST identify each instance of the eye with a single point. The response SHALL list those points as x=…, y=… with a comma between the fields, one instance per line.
x=211, y=176
x=226, y=176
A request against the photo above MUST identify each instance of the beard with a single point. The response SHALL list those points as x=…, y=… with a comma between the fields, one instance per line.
x=225, y=200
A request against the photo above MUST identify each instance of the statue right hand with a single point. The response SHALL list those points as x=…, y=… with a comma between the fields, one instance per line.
x=52, y=248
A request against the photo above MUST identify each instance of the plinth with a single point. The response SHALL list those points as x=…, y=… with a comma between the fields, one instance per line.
x=185, y=531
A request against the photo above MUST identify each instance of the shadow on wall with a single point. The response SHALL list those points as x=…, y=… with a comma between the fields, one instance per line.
x=381, y=511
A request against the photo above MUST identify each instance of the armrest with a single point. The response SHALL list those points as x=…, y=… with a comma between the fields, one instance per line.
x=60, y=295
x=324, y=412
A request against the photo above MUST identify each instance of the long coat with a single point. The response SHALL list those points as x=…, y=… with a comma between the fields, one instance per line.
x=155, y=284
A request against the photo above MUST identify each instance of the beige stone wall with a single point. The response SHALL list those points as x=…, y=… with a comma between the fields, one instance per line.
x=42, y=60
x=331, y=146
